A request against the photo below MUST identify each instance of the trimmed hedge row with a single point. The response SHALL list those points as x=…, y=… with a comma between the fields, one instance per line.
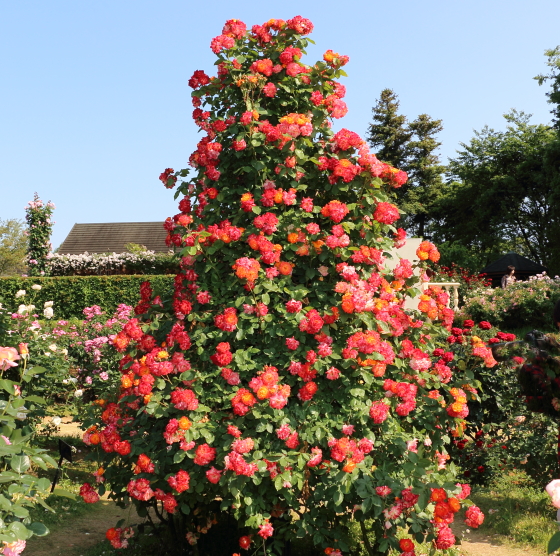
x=70, y=294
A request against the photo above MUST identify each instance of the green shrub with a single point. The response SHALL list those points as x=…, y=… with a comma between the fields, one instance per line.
x=71, y=294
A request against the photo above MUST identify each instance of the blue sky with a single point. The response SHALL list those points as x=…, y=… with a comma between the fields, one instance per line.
x=95, y=102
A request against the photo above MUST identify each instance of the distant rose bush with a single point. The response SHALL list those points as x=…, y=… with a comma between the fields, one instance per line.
x=86, y=264
x=523, y=304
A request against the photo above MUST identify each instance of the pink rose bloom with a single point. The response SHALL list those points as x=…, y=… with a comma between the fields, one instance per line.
x=271, y=273
x=8, y=358
x=474, y=517
x=14, y=548
x=283, y=432
x=213, y=475
x=317, y=457
x=553, y=490
x=412, y=445
x=333, y=373
x=266, y=530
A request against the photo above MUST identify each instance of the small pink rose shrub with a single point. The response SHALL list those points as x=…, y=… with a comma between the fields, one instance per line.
x=282, y=383
x=21, y=490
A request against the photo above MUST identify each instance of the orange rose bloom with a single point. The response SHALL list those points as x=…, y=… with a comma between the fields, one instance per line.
x=285, y=268
x=347, y=303
x=247, y=398
x=111, y=534
x=438, y=495
x=263, y=392
x=184, y=423
x=454, y=505
x=349, y=467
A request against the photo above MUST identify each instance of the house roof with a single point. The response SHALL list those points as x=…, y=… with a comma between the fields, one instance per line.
x=521, y=264
x=112, y=237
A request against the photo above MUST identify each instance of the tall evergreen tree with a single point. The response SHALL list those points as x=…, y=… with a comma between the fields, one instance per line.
x=425, y=173
x=389, y=134
x=410, y=147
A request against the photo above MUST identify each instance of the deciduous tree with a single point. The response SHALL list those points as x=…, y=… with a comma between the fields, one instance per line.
x=502, y=196
x=13, y=246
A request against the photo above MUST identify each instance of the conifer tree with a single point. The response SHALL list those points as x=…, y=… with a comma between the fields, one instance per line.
x=425, y=174
x=389, y=134
x=411, y=146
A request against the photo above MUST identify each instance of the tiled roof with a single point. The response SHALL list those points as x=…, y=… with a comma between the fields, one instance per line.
x=112, y=237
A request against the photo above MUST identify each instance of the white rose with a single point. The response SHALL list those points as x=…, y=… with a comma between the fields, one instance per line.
x=36, y=287
x=56, y=421
x=22, y=413
x=65, y=381
x=78, y=393
x=52, y=347
x=48, y=312
x=48, y=304
x=22, y=309
x=73, y=380
x=20, y=293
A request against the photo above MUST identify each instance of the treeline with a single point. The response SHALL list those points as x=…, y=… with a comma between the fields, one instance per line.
x=500, y=193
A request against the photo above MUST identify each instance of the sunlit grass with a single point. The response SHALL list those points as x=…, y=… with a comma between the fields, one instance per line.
x=516, y=510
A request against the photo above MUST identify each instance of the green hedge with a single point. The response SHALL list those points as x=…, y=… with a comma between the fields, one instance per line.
x=70, y=294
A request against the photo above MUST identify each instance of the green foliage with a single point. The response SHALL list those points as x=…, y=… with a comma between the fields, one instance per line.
x=135, y=248
x=71, y=294
x=454, y=253
x=503, y=193
x=553, y=62
x=425, y=185
x=13, y=247
x=521, y=304
x=502, y=433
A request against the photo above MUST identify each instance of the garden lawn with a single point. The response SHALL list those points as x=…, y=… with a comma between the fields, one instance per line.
x=516, y=511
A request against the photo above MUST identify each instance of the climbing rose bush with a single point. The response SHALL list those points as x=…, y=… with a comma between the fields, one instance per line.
x=281, y=383
x=39, y=230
